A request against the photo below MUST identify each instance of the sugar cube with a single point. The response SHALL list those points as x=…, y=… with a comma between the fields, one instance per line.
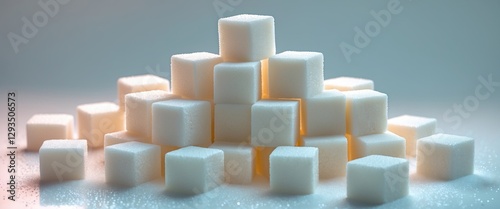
x=41, y=127
x=192, y=75
x=138, y=83
x=238, y=161
x=388, y=144
x=295, y=74
x=445, y=157
x=232, y=122
x=182, y=123
x=294, y=170
x=412, y=128
x=194, y=170
x=377, y=179
x=366, y=112
x=275, y=123
x=246, y=38
x=121, y=137
x=62, y=159
x=237, y=83
x=131, y=163
x=97, y=119
x=324, y=114
x=332, y=154
x=348, y=84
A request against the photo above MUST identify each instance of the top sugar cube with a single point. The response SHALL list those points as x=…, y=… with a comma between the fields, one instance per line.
x=139, y=83
x=246, y=38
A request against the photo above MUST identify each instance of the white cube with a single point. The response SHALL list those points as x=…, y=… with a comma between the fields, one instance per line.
x=194, y=170
x=377, y=179
x=295, y=74
x=238, y=161
x=41, y=127
x=232, y=122
x=348, y=84
x=275, y=123
x=237, y=83
x=138, y=111
x=62, y=160
x=121, y=137
x=97, y=119
x=246, y=38
x=131, y=163
x=324, y=114
x=412, y=128
x=138, y=83
x=192, y=75
x=445, y=157
x=387, y=144
x=366, y=112
x=332, y=154
x=182, y=123
x=294, y=170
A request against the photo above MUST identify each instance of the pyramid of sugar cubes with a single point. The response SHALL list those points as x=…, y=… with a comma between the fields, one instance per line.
x=247, y=111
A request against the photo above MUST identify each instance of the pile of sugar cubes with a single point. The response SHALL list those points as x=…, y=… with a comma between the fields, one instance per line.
x=248, y=111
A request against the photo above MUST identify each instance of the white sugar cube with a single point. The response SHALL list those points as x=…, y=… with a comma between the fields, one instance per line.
x=412, y=128
x=332, y=154
x=387, y=144
x=192, y=75
x=232, y=122
x=275, y=123
x=348, y=84
x=182, y=123
x=294, y=170
x=194, y=170
x=237, y=83
x=121, y=137
x=138, y=111
x=324, y=114
x=366, y=112
x=41, y=127
x=246, y=38
x=138, y=83
x=62, y=160
x=238, y=162
x=97, y=119
x=445, y=157
x=377, y=179
x=131, y=163
x=295, y=74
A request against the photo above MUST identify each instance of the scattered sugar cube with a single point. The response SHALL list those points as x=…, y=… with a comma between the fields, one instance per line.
x=194, y=170
x=237, y=83
x=131, y=163
x=332, y=154
x=138, y=111
x=412, y=128
x=121, y=137
x=62, y=159
x=192, y=75
x=348, y=84
x=182, y=123
x=275, y=123
x=138, y=83
x=97, y=119
x=246, y=38
x=41, y=127
x=387, y=144
x=295, y=74
x=377, y=179
x=238, y=161
x=262, y=160
x=366, y=112
x=445, y=157
x=324, y=114
x=294, y=170
x=232, y=122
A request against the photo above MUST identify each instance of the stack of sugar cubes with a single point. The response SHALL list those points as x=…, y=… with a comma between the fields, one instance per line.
x=249, y=111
